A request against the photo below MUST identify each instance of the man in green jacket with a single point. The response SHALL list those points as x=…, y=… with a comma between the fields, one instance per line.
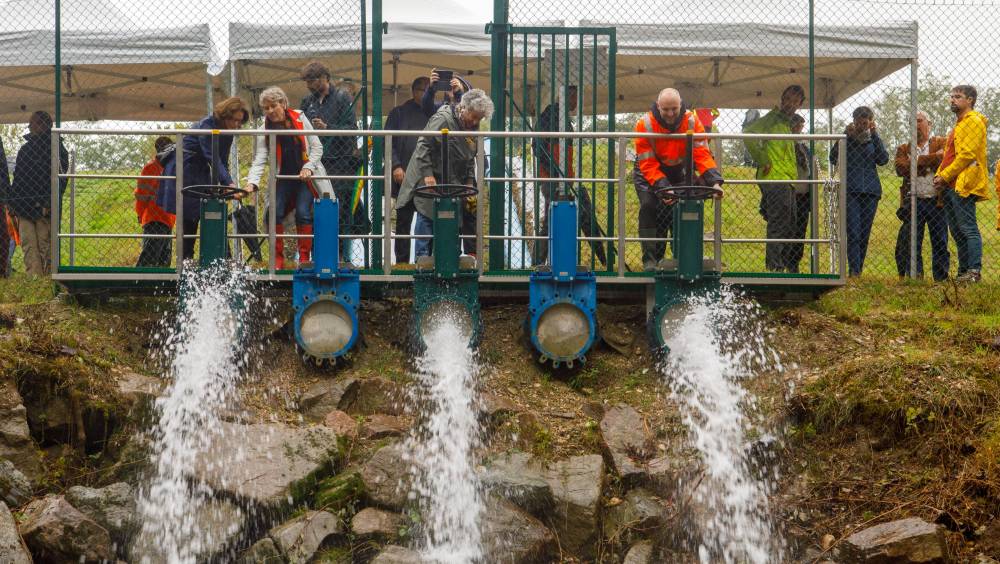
x=776, y=162
x=424, y=168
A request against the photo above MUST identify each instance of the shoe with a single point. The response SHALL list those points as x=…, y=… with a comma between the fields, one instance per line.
x=649, y=265
x=971, y=275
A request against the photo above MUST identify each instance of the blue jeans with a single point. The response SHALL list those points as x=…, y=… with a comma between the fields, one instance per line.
x=423, y=226
x=860, y=216
x=961, y=214
x=296, y=192
x=928, y=214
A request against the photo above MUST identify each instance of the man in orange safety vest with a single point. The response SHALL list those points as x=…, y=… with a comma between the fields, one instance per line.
x=660, y=163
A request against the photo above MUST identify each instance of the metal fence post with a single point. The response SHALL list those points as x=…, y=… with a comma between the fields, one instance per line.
x=55, y=216
x=842, y=208
x=179, y=201
x=387, y=206
x=481, y=184
x=272, y=191
x=621, y=207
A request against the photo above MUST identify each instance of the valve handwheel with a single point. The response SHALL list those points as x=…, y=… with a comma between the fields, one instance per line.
x=440, y=191
x=689, y=192
x=212, y=191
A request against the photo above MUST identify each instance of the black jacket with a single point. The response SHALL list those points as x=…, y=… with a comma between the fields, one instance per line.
x=30, y=193
x=409, y=116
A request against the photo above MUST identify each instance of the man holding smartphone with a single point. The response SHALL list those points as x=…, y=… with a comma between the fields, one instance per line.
x=328, y=107
x=443, y=81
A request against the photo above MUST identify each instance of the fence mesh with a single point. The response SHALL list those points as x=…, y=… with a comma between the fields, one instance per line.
x=163, y=66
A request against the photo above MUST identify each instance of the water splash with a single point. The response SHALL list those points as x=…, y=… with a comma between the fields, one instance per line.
x=206, y=362
x=717, y=343
x=442, y=448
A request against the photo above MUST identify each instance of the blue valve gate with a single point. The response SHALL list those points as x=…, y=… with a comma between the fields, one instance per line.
x=325, y=295
x=562, y=305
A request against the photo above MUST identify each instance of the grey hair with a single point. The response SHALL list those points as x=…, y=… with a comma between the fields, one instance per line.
x=273, y=94
x=924, y=114
x=476, y=100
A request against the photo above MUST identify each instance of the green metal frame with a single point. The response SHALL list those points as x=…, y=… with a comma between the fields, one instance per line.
x=511, y=43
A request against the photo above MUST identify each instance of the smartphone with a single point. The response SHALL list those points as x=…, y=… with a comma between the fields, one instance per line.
x=443, y=83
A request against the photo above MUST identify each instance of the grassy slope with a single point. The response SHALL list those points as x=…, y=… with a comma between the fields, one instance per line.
x=898, y=409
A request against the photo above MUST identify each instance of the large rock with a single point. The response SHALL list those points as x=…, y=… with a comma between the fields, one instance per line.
x=576, y=487
x=271, y=465
x=380, y=426
x=12, y=550
x=15, y=489
x=378, y=395
x=640, y=512
x=520, y=479
x=300, y=538
x=627, y=441
x=513, y=536
x=337, y=492
x=112, y=507
x=262, y=552
x=904, y=541
x=343, y=424
x=16, y=443
x=398, y=555
x=56, y=532
x=326, y=396
x=139, y=391
x=640, y=553
x=387, y=477
x=371, y=523
x=216, y=527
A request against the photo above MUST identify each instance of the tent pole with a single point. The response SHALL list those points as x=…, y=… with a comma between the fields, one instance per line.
x=395, y=79
x=58, y=73
x=208, y=91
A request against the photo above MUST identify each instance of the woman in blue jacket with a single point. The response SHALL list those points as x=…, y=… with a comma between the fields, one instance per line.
x=865, y=151
x=230, y=113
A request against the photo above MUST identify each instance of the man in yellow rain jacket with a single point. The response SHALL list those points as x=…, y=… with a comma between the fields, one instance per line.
x=963, y=177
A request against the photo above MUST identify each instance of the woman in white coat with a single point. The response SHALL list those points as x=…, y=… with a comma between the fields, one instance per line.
x=297, y=155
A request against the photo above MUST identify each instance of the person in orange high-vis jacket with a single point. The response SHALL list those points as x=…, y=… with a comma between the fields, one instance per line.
x=660, y=163
x=154, y=220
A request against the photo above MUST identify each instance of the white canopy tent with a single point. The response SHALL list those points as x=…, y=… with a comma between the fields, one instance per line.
x=112, y=68
x=747, y=65
x=268, y=54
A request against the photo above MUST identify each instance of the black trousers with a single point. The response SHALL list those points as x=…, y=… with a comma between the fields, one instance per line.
x=404, y=219
x=780, y=211
x=803, y=207
x=656, y=219
x=155, y=251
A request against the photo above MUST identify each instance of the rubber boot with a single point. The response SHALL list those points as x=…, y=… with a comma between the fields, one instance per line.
x=305, y=244
x=279, y=247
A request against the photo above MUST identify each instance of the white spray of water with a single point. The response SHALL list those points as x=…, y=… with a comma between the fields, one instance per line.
x=716, y=343
x=206, y=362
x=442, y=449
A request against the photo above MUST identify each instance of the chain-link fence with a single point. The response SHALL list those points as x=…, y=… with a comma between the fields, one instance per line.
x=736, y=58
x=555, y=66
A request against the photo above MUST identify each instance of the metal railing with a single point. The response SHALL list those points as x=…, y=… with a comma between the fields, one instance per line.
x=835, y=183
